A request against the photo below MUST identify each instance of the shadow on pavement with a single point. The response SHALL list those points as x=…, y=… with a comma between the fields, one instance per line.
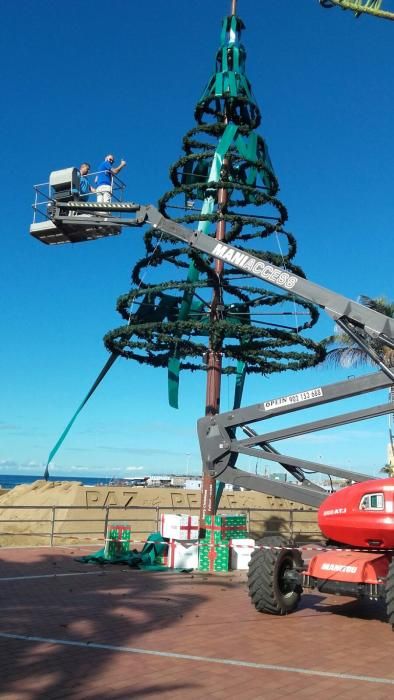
x=113, y=605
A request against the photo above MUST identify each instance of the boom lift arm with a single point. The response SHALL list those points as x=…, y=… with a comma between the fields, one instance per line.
x=217, y=433
x=350, y=315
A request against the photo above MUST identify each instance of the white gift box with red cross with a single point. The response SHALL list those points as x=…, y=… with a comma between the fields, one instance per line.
x=179, y=526
x=240, y=553
x=182, y=555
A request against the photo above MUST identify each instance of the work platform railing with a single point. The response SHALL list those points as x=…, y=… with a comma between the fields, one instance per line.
x=44, y=196
x=76, y=525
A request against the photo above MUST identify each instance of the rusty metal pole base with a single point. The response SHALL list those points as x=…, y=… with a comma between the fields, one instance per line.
x=208, y=483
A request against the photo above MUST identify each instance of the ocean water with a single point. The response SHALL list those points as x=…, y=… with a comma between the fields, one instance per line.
x=9, y=481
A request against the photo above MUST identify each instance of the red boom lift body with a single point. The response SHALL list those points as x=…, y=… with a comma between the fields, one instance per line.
x=356, y=518
x=361, y=515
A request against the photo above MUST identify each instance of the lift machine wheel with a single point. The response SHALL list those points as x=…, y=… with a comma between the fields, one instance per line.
x=274, y=578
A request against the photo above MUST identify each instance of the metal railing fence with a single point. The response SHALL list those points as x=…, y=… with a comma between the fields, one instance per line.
x=52, y=525
x=43, y=196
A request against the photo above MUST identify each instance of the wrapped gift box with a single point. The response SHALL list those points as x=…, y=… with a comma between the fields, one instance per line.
x=224, y=527
x=240, y=553
x=117, y=541
x=182, y=555
x=213, y=557
x=179, y=526
x=163, y=558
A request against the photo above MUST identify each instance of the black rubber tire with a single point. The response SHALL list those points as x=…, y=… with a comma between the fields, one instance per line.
x=390, y=594
x=268, y=590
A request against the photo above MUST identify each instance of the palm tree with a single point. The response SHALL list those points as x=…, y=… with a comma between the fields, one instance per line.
x=348, y=354
x=388, y=469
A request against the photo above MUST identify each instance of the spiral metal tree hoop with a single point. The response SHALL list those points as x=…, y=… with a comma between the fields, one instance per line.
x=272, y=349
x=172, y=320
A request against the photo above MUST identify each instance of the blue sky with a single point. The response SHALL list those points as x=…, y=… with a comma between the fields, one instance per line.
x=91, y=81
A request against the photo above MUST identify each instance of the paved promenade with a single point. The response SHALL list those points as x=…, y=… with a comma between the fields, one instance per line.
x=81, y=631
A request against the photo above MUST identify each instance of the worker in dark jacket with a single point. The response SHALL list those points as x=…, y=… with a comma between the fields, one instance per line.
x=85, y=188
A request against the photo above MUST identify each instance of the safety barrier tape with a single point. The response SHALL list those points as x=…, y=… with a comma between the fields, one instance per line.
x=303, y=548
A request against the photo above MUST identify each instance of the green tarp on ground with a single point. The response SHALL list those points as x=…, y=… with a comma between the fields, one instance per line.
x=145, y=559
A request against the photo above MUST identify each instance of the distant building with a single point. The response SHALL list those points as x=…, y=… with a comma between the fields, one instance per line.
x=159, y=480
x=196, y=484
x=334, y=484
x=133, y=481
x=166, y=481
x=179, y=481
x=280, y=476
x=192, y=484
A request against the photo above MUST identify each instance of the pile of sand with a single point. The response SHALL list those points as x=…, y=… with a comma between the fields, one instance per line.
x=26, y=512
x=64, y=512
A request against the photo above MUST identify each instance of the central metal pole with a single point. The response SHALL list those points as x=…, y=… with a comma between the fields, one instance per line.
x=214, y=357
x=214, y=363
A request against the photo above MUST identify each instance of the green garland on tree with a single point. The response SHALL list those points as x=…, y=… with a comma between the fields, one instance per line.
x=169, y=324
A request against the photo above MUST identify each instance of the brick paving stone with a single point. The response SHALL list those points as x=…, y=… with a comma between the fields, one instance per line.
x=206, y=616
x=372, y=693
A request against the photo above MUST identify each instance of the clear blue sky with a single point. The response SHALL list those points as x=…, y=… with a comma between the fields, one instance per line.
x=91, y=78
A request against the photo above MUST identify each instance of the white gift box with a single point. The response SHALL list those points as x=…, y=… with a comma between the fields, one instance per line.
x=179, y=526
x=182, y=555
x=240, y=553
